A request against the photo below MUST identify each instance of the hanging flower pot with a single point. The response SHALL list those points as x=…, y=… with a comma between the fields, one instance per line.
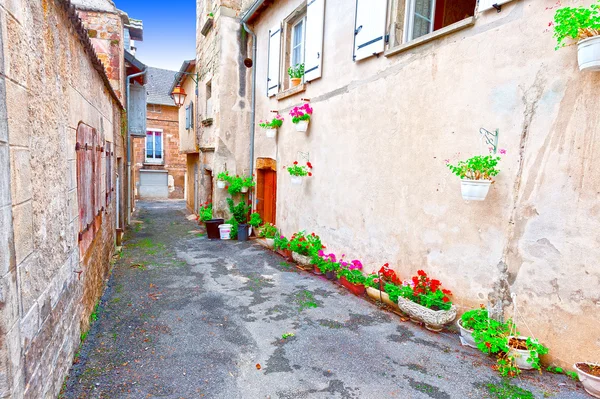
x=272, y=125
x=589, y=375
x=297, y=172
x=222, y=179
x=302, y=126
x=525, y=352
x=588, y=54
x=581, y=25
x=271, y=132
x=297, y=180
x=474, y=190
x=244, y=189
x=220, y=183
x=301, y=117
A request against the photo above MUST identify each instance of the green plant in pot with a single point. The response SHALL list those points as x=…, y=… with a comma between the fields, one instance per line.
x=255, y=220
x=222, y=179
x=296, y=74
x=476, y=175
x=205, y=213
x=239, y=219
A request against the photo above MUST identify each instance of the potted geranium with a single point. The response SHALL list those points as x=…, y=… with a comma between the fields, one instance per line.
x=376, y=284
x=589, y=375
x=211, y=225
x=268, y=232
x=476, y=174
x=255, y=221
x=475, y=319
x=222, y=179
x=525, y=352
x=301, y=117
x=298, y=172
x=281, y=245
x=303, y=247
x=296, y=73
x=424, y=300
x=326, y=264
x=582, y=24
x=247, y=183
x=272, y=125
x=239, y=220
x=352, y=277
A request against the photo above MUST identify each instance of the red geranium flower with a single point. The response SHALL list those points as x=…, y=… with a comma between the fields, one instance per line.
x=422, y=273
x=309, y=174
x=445, y=299
x=295, y=162
x=309, y=165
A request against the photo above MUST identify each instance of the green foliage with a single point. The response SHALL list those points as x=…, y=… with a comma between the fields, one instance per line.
x=492, y=337
x=305, y=244
x=248, y=181
x=535, y=351
x=577, y=23
x=393, y=291
x=296, y=71
x=281, y=243
x=326, y=262
x=354, y=276
x=287, y=335
x=268, y=231
x=239, y=211
x=558, y=370
x=479, y=167
x=296, y=170
x=506, y=390
x=475, y=319
x=255, y=220
x=234, y=228
x=372, y=280
x=274, y=123
x=427, y=292
x=206, y=212
x=224, y=176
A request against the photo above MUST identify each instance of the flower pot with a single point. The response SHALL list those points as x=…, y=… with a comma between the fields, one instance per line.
x=330, y=275
x=474, y=190
x=466, y=336
x=221, y=183
x=286, y=253
x=434, y=319
x=520, y=356
x=270, y=242
x=317, y=271
x=381, y=296
x=271, y=132
x=302, y=126
x=225, y=231
x=591, y=383
x=296, y=81
x=296, y=180
x=244, y=190
x=588, y=54
x=242, y=232
x=356, y=289
x=212, y=228
x=302, y=260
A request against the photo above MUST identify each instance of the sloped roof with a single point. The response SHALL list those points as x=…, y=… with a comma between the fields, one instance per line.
x=180, y=76
x=159, y=86
x=95, y=5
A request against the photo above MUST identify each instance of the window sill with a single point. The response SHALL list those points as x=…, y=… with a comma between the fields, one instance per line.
x=147, y=163
x=465, y=23
x=291, y=92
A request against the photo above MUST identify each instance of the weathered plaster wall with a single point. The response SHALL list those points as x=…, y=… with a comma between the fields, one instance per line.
x=381, y=192
x=48, y=287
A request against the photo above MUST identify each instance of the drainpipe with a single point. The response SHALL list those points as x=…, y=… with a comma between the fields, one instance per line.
x=253, y=105
x=135, y=75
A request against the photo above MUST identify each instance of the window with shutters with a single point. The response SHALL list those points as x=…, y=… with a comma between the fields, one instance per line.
x=154, y=146
x=294, y=37
x=189, y=116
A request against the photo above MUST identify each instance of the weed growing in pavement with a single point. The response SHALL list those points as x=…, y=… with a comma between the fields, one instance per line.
x=305, y=300
x=506, y=390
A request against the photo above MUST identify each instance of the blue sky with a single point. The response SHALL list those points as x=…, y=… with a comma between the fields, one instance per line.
x=169, y=31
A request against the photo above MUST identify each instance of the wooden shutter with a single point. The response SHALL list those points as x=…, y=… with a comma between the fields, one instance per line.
x=187, y=116
x=191, y=115
x=369, y=28
x=273, y=78
x=315, y=19
x=485, y=5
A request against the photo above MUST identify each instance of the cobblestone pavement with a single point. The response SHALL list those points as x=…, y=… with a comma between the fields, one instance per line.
x=186, y=317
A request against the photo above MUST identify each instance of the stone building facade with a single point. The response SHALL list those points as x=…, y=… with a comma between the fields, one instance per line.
x=159, y=166
x=61, y=149
x=392, y=101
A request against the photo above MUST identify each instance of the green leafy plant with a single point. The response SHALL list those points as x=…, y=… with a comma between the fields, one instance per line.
x=393, y=291
x=577, y=23
x=506, y=390
x=268, y=230
x=296, y=170
x=301, y=113
x=354, y=276
x=558, y=370
x=475, y=319
x=305, y=244
x=372, y=280
x=427, y=292
x=255, y=220
x=479, y=167
x=274, y=123
x=248, y=181
x=325, y=262
x=296, y=71
x=224, y=176
x=240, y=211
x=281, y=243
x=533, y=346
x=206, y=212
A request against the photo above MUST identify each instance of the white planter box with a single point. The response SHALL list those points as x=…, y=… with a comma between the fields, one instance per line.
x=466, y=336
x=271, y=133
x=474, y=190
x=591, y=383
x=588, y=54
x=220, y=183
x=434, y=319
x=302, y=126
x=296, y=180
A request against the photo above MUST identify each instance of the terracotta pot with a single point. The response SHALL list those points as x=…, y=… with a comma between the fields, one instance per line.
x=356, y=289
x=286, y=253
x=466, y=336
x=317, y=271
x=591, y=383
x=296, y=81
x=434, y=319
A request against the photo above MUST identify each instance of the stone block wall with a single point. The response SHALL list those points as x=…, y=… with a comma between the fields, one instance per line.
x=49, y=83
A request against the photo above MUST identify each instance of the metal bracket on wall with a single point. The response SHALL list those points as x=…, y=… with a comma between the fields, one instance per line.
x=304, y=155
x=491, y=138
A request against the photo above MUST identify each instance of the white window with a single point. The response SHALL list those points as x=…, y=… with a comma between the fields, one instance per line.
x=297, y=48
x=419, y=18
x=154, y=146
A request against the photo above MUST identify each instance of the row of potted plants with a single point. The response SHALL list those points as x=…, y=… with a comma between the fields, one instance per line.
x=424, y=300
x=235, y=184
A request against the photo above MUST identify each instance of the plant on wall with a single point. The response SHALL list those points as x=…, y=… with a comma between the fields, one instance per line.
x=577, y=23
x=298, y=172
x=301, y=113
x=274, y=123
x=477, y=174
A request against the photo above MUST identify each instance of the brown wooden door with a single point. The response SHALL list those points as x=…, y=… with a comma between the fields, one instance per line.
x=266, y=195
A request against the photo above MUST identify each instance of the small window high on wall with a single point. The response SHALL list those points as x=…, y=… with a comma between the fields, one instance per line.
x=422, y=17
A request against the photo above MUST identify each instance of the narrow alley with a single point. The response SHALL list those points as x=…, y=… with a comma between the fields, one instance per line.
x=186, y=317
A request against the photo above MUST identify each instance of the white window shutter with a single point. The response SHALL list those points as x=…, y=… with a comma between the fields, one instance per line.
x=369, y=29
x=485, y=5
x=273, y=78
x=313, y=58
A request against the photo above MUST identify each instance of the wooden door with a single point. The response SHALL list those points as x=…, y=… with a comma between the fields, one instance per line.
x=266, y=195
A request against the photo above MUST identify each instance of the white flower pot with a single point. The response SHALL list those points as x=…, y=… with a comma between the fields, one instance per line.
x=244, y=189
x=591, y=383
x=302, y=260
x=296, y=180
x=466, y=336
x=434, y=319
x=270, y=242
x=302, y=126
x=520, y=356
x=474, y=190
x=588, y=54
x=271, y=132
x=221, y=183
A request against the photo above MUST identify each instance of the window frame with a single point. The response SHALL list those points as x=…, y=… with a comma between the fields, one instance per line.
x=409, y=20
x=287, y=33
x=301, y=20
x=154, y=160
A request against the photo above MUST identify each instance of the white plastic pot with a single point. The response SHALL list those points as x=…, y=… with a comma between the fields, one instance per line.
x=591, y=383
x=244, y=189
x=466, y=336
x=302, y=126
x=221, y=183
x=225, y=230
x=588, y=54
x=296, y=180
x=271, y=132
x=474, y=190
x=520, y=356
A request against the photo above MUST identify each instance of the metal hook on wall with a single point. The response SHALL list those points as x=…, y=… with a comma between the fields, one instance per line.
x=305, y=100
x=304, y=155
x=491, y=138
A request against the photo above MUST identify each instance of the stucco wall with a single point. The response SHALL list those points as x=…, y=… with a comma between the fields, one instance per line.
x=187, y=137
x=381, y=192
x=48, y=287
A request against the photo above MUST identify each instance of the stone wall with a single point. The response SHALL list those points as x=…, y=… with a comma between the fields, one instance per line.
x=381, y=192
x=49, y=84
